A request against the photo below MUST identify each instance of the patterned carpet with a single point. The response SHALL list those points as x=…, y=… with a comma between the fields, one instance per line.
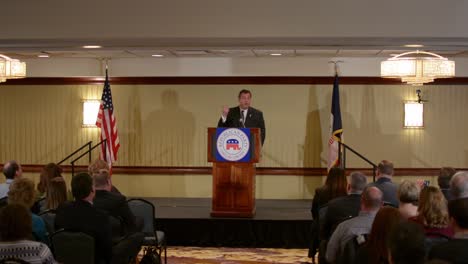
x=197, y=255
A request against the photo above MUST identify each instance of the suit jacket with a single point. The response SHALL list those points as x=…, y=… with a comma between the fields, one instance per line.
x=389, y=190
x=340, y=209
x=84, y=217
x=115, y=205
x=453, y=251
x=254, y=119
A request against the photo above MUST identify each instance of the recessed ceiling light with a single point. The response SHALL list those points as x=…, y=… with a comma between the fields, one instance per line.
x=157, y=55
x=43, y=56
x=276, y=54
x=414, y=45
x=92, y=47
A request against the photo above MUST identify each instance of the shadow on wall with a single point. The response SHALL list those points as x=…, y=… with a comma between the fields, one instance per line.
x=313, y=142
x=373, y=142
x=169, y=134
x=313, y=145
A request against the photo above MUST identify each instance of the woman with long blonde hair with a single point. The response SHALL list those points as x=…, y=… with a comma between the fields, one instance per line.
x=433, y=213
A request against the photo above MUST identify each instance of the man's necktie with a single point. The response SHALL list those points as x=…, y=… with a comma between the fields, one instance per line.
x=243, y=118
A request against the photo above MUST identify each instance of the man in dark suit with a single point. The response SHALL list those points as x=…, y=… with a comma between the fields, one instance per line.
x=445, y=175
x=128, y=241
x=81, y=215
x=243, y=115
x=115, y=204
x=384, y=183
x=344, y=207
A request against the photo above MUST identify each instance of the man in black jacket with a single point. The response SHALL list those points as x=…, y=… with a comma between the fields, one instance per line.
x=81, y=215
x=115, y=204
x=124, y=228
x=344, y=207
x=243, y=115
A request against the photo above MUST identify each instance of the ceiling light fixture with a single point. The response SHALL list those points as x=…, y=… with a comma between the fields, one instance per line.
x=157, y=55
x=276, y=54
x=417, y=67
x=413, y=45
x=11, y=68
x=43, y=56
x=92, y=47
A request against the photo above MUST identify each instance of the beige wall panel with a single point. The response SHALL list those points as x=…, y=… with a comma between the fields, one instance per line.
x=165, y=125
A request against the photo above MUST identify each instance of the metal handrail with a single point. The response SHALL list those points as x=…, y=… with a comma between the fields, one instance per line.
x=82, y=155
x=76, y=151
x=346, y=147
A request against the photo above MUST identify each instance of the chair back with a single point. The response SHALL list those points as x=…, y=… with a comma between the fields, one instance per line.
x=3, y=201
x=433, y=239
x=349, y=253
x=145, y=210
x=13, y=261
x=48, y=217
x=73, y=247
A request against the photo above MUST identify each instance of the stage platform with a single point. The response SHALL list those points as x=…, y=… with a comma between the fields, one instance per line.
x=277, y=224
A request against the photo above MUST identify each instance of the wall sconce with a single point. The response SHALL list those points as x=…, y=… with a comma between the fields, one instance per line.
x=90, y=112
x=414, y=115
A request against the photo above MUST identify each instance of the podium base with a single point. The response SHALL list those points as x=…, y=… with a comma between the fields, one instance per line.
x=233, y=214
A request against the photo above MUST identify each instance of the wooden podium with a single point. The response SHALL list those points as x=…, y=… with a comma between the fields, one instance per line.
x=234, y=181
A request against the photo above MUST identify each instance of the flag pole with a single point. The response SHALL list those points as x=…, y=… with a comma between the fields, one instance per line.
x=336, y=66
x=341, y=154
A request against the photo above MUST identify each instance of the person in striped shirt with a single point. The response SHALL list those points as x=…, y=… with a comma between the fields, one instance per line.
x=16, y=234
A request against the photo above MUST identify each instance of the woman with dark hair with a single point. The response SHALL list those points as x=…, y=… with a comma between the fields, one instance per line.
x=56, y=193
x=15, y=234
x=335, y=186
x=375, y=249
x=49, y=172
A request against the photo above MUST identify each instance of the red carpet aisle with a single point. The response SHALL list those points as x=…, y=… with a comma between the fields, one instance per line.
x=198, y=255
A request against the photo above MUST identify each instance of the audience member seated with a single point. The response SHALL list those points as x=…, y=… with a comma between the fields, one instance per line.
x=374, y=251
x=408, y=195
x=49, y=172
x=371, y=201
x=344, y=207
x=81, y=215
x=384, y=183
x=335, y=186
x=459, y=185
x=115, y=204
x=406, y=244
x=98, y=165
x=433, y=214
x=22, y=192
x=445, y=175
x=15, y=235
x=12, y=170
x=56, y=193
x=455, y=251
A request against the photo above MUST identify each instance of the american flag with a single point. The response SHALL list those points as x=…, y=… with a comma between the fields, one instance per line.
x=336, y=127
x=106, y=121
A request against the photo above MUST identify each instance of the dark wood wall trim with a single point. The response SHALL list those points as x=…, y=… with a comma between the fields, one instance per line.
x=221, y=80
x=314, y=172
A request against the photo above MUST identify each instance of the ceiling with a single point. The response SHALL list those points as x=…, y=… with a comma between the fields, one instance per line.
x=230, y=47
x=233, y=52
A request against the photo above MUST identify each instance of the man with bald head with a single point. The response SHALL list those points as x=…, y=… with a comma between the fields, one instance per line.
x=459, y=185
x=371, y=201
x=11, y=170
